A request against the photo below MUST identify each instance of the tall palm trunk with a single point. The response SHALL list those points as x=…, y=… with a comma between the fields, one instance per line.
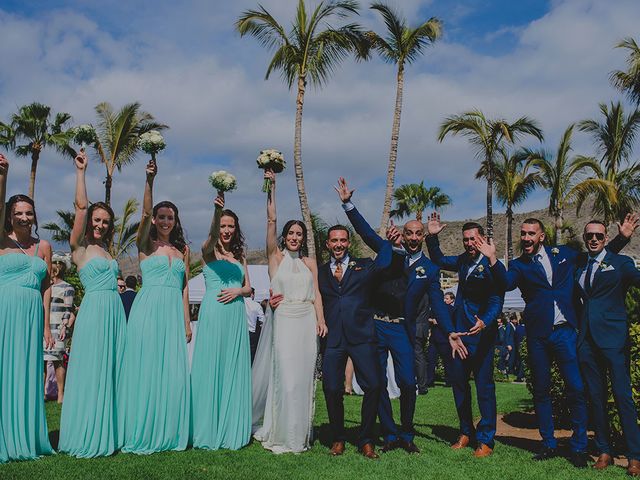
x=419, y=216
x=393, y=151
x=489, y=197
x=107, y=188
x=297, y=162
x=35, y=156
x=509, y=234
x=558, y=221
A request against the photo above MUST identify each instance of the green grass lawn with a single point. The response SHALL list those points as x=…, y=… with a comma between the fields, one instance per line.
x=436, y=426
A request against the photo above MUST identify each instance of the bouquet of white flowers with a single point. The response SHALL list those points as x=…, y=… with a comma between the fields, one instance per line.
x=151, y=142
x=84, y=135
x=273, y=160
x=223, y=181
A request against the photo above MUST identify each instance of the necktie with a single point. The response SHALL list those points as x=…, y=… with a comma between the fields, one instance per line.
x=587, y=277
x=338, y=272
x=539, y=266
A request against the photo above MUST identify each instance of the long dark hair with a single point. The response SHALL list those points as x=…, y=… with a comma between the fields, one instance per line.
x=176, y=237
x=108, y=237
x=9, y=208
x=285, y=230
x=237, y=241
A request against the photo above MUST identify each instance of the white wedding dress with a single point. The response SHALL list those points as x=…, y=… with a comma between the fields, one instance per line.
x=283, y=371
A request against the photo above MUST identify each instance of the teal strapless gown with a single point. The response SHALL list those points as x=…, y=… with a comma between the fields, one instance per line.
x=221, y=365
x=23, y=424
x=88, y=425
x=154, y=398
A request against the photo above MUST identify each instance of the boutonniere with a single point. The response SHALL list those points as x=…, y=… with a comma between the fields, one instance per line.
x=351, y=264
x=555, y=250
x=604, y=267
x=480, y=268
x=420, y=271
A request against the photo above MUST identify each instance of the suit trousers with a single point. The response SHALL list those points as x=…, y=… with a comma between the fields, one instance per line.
x=393, y=337
x=365, y=363
x=421, y=346
x=595, y=362
x=438, y=349
x=480, y=363
x=560, y=346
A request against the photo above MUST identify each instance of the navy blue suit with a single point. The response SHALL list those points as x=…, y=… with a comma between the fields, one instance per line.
x=127, y=297
x=418, y=279
x=349, y=318
x=546, y=341
x=478, y=295
x=439, y=347
x=603, y=346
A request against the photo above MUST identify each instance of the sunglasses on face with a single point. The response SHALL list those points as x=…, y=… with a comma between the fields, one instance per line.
x=598, y=236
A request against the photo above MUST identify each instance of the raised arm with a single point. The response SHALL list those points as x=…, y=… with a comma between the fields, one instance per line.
x=4, y=171
x=625, y=231
x=143, y=241
x=209, y=245
x=321, y=326
x=273, y=252
x=81, y=203
x=185, y=296
x=505, y=280
x=434, y=227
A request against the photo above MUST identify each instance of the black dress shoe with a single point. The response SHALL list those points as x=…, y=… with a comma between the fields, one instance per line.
x=408, y=446
x=579, y=459
x=388, y=446
x=546, y=453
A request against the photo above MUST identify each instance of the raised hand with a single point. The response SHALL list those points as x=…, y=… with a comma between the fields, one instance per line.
x=81, y=160
x=629, y=225
x=394, y=235
x=434, y=227
x=269, y=175
x=486, y=247
x=343, y=190
x=152, y=169
x=478, y=327
x=4, y=165
x=219, y=200
x=457, y=347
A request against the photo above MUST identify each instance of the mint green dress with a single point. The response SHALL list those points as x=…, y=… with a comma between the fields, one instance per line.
x=154, y=398
x=88, y=425
x=23, y=424
x=221, y=365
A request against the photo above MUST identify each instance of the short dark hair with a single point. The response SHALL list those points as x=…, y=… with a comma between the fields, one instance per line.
x=131, y=282
x=451, y=294
x=595, y=222
x=534, y=221
x=338, y=227
x=471, y=226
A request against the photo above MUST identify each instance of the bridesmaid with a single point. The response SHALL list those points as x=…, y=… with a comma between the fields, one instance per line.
x=24, y=319
x=221, y=368
x=154, y=398
x=88, y=426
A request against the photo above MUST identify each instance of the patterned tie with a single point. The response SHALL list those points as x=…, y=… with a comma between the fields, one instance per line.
x=338, y=272
x=539, y=266
x=587, y=277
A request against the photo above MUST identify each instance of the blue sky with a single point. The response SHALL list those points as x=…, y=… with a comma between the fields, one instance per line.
x=183, y=61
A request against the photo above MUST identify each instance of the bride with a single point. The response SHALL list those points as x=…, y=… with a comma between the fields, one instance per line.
x=284, y=367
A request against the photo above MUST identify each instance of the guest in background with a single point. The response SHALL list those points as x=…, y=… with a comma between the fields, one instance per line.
x=121, y=285
x=439, y=345
x=255, y=319
x=520, y=360
x=129, y=294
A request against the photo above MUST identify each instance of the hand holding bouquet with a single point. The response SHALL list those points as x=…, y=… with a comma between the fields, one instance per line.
x=270, y=159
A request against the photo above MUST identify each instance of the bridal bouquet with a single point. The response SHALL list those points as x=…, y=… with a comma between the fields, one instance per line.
x=84, y=135
x=151, y=142
x=223, y=181
x=270, y=159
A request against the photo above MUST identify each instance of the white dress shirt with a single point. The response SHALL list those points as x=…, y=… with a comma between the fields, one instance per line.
x=596, y=264
x=334, y=263
x=254, y=313
x=558, y=317
x=473, y=266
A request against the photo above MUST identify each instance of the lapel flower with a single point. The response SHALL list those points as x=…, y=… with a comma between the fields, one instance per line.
x=480, y=268
x=603, y=266
x=420, y=270
x=555, y=250
x=351, y=264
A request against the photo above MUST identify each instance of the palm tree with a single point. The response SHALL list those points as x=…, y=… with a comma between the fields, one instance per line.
x=488, y=137
x=118, y=135
x=414, y=198
x=565, y=178
x=614, y=139
x=32, y=124
x=309, y=52
x=125, y=232
x=513, y=183
x=400, y=45
x=628, y=81
x=61, y=231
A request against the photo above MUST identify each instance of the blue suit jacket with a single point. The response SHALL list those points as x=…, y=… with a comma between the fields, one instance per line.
x=538, y=294
x=423, y=277
x=478, y=294
x=603, y=312
x=128, y=296
x=347, y=305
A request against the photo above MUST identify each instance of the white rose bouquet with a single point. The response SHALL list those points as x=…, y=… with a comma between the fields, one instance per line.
x=273, y=160
x=85, y=135
x=223, y=181
x=151, y=142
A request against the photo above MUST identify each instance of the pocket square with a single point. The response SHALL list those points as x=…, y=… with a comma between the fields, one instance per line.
x=562, y=261
x=608, y=268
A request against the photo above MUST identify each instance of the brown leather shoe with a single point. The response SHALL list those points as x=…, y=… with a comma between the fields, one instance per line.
x=462, y=442
x=337, y=448
x=603, y=461
x=482, y=451
x=368, y=451
x=634, y=468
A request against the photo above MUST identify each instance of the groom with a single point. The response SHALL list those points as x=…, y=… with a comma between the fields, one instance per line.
x=346, y=285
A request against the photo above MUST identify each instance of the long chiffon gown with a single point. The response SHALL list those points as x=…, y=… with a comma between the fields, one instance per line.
x=23, y=425
x=221, y=367
x=88, y=426
x=154, y=398
x=284, y=367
